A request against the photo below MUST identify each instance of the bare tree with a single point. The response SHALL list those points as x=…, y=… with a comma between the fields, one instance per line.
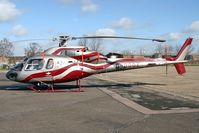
x=6, y=48
x=164, y=50
x=33, y=49
x=142, y=51
x=190, y=50
x=83, y=42
x=127, y=52
x=177, y=48
x=168, y=50
x=159, y=49
x=94, y=44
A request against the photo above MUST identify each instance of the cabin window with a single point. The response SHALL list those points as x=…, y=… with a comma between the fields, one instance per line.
x=50, y=64
x=64, y=52
x=34, y=64
x=70, y=61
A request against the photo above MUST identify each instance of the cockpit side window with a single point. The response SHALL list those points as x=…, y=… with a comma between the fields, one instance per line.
x=64, y=53
x=50, y=64
x=18, y=67
x=34, y=64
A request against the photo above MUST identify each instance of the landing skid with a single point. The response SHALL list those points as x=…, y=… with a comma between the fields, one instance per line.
x=50, y=88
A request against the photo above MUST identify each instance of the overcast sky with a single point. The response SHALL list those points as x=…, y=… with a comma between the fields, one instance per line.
x=173, y=20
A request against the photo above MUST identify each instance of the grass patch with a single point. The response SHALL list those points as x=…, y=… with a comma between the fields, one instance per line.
x=2, y=69
x=191, y=64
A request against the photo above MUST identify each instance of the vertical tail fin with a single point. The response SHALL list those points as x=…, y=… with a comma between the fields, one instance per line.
x=180, y=68
x=184, y=49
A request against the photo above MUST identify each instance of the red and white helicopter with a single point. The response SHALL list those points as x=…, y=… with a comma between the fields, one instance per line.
x=72, y=63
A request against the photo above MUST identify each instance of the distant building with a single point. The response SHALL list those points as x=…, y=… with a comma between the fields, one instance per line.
x=4, y=60
x=196, y=57
x=134, y=56
x=10, y=60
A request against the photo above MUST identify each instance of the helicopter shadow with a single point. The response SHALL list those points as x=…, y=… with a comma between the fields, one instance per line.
x=121, y=85
x=14, y=87
x=26, y=87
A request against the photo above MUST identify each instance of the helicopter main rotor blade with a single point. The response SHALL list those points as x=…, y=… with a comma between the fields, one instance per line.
x=119, y=37
x=29, y=40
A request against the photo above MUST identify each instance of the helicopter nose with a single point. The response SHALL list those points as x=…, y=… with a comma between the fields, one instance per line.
x=11, y=75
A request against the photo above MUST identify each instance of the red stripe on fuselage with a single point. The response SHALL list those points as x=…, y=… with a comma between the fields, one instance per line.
x=53, y=73
x=74, y=75
x=94, y=67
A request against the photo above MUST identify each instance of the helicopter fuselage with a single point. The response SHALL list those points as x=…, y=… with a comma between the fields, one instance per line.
x=58, y=69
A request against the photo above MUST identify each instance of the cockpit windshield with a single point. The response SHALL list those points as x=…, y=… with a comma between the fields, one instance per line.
x=19, y=66
x=34, y=64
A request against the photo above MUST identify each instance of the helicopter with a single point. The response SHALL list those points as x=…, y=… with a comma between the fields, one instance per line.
x=72, y=63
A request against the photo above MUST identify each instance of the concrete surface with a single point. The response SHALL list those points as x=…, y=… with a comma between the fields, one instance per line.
x=23, y=111
x=155, y=78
